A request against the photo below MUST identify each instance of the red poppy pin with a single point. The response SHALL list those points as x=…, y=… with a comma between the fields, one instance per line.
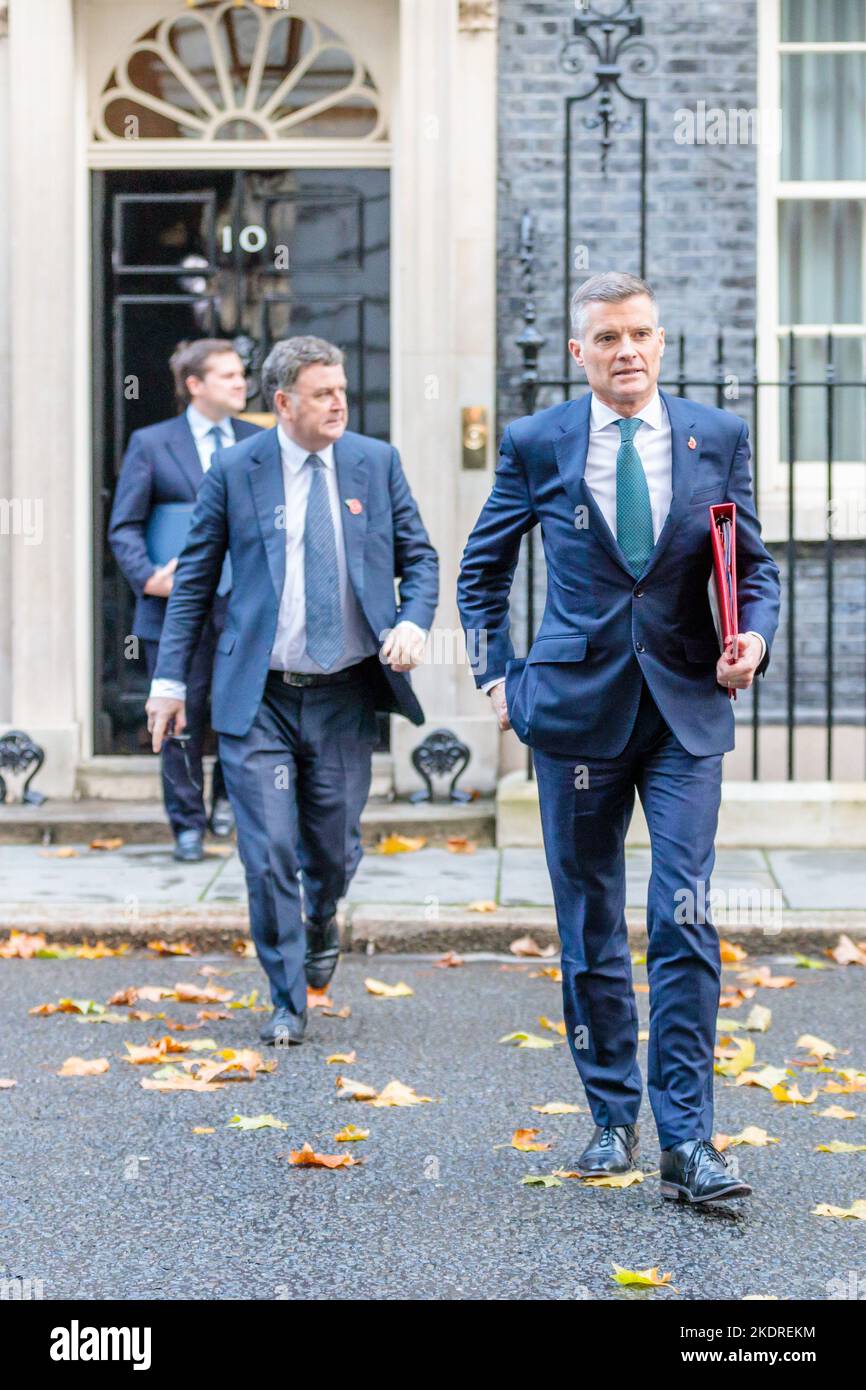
x=354, y=505
x=693, y=443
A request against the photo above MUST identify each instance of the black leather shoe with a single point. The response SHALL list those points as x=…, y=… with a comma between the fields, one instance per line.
x=222, y=818
x=188, y=847
x=612, y=1149
x=284, y=1028
x=695, y=1171
x=323, y=952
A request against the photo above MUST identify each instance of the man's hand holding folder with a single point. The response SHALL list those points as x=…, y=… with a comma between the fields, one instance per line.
x=742, y=652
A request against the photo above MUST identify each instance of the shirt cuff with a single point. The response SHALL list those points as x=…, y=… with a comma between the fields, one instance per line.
x=407, y=622
x=168, y=690
x=488, y=685
x=762, y=642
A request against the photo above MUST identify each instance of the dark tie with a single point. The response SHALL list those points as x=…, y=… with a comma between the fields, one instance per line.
x=634, y=517
x=325, y=641
x=216, y=434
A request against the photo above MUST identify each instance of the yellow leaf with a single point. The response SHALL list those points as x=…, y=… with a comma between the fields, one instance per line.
x=557, y=1107
x=857, y=1210
x=549, y=1026
x=547, y=972
x=768, y=1077
x=759, y=1019
x=529, y=1040
x=616, y=1179
x=838, y=1146
x=816, y=1047
x=793, y=1095
x=350, y=1134
x=752, y=1134
x=385, y=991
x=647, y=1278
x=347, y=1089
x=396, y=1094
x=742, y=1056
x=482, y=905
x=836, y=1112
x=401, y=844
x=203, y=1129
x=347, y=1057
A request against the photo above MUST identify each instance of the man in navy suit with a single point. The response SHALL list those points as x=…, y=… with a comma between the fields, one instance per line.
x=167, y=463
x=624, y=689
x=318, y=522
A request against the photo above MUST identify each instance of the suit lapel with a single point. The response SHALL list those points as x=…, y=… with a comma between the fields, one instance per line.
x=571, y=450
x=684, y=463
x=181, y=445
x=269, y=499
x=352, y=483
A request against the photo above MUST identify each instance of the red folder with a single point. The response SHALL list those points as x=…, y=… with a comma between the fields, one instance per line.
x=723, y=585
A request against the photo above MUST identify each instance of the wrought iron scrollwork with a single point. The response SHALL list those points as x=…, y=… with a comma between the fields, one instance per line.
x=612, y=40
x=18, y=752
x=436, y=756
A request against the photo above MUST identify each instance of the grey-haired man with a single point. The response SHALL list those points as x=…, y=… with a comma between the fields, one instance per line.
x=319, y=522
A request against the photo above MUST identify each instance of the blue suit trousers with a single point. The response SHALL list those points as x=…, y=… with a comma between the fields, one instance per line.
x=298, y=782
x=586, y=807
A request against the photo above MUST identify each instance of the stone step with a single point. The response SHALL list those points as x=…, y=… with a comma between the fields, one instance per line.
x=137, y=777
x=79, y=822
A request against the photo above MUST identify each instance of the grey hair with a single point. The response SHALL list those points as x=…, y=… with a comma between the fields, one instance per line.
x=610, y=287
x=287, y=359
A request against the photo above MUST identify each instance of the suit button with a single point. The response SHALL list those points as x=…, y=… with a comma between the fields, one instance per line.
x=639, y=646
x=639, y=593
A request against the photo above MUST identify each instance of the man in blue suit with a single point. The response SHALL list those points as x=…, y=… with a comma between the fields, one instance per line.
x=167, y=463
x=624, y=689
x=319, y=522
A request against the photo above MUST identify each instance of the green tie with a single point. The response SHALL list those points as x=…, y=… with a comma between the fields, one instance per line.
x=634, y=517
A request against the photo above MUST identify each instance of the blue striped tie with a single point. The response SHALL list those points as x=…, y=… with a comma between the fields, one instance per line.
x=634, y=517
x=325, y=640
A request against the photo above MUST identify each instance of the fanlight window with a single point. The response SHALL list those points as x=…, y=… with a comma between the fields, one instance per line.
x=229, y=71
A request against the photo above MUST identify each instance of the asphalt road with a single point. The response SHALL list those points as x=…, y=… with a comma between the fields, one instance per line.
x=107, y=1193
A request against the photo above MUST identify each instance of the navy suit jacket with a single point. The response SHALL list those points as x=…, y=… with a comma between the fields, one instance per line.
x=161, y=464
x=239, y=507
x=578, y=688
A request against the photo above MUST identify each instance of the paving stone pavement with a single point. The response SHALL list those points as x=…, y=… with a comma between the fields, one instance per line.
x=793, y=879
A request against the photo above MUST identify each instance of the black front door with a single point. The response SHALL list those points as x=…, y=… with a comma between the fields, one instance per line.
x=252, y=256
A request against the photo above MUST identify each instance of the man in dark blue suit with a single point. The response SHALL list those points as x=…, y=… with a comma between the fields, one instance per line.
x=167, y=463
x=624, y=689
x=318, y=523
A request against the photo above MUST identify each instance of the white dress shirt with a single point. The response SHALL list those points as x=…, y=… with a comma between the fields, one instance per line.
x=290, y=643
x=652, y=440
x=205, y=443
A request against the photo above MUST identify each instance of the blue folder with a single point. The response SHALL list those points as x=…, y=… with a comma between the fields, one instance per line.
x=166, y=535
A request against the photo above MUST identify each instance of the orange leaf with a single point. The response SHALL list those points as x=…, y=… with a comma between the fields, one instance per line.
x=83, y=1066
x=847, y=952
x=526, y=1142
x=170, y=948
x=195, y=994
x=450, y=959
x=528, y=946
x=458, y=844
x=731, y=953
x=401, y=844
x=114, y=842
x=306, y=1158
